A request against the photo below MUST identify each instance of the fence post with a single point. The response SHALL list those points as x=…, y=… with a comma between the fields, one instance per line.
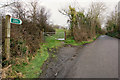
x=7, y=37
x=42, y=36
x=65, y=34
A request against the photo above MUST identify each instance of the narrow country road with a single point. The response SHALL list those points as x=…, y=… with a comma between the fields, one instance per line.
x=97, y=60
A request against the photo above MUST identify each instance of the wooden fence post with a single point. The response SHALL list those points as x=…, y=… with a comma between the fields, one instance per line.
x=65, y=34
x=7, y=37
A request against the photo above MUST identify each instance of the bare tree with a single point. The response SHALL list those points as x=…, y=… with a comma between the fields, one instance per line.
x=19, y=10
x=96, y=9
x=42, y=18
x=39, y=15
x=112, y=21
x=95, y=12
x=34, y=11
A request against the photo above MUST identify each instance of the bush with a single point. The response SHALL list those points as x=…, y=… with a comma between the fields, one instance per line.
x=114, y=34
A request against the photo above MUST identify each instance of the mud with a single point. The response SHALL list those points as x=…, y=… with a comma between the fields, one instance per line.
x=60, y=64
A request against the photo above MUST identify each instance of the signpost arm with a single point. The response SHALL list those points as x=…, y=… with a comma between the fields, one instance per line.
x=7, y=37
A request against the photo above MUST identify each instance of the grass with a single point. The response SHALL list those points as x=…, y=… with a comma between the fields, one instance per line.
x=71, y=41
x=33, y=69
x=59, y=33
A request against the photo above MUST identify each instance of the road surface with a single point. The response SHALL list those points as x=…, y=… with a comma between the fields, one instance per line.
x=95, y=60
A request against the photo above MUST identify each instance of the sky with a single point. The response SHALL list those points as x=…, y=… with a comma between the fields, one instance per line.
x=54, y=5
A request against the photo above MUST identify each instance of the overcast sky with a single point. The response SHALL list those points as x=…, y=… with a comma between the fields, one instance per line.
x=54, y=5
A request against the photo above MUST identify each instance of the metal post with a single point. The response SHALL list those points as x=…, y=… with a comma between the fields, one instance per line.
x=7, y=37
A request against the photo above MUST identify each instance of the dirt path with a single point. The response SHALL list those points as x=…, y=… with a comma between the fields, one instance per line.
x=59, y=65
x=96, y=60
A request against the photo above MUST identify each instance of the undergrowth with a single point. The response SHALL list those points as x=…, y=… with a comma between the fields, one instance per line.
x=33, y=68
x=71, y=41
x=114, y=34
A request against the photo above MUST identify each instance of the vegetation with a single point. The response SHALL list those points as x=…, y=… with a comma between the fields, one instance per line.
x=32, y=69
x=25, y=39
x=84, y=26
x=30, y=48
x=112, y=25
x=71, y=41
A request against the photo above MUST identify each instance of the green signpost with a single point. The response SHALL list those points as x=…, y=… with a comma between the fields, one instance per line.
x=15, y=21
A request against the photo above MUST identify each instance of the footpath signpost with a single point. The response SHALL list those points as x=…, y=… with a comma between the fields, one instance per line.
x=7, y=37
x=15, y=21
x=8, y=22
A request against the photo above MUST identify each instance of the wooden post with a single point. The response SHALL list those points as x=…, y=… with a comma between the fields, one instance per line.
x=65, y=34
x=7, y=37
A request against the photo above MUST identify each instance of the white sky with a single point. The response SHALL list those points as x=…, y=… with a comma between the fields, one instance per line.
x=54, y=5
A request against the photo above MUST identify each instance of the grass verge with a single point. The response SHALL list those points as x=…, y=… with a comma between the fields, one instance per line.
x=33, y=69
x=71, y=41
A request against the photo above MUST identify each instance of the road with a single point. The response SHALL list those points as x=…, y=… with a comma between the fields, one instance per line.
x=95, y=60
